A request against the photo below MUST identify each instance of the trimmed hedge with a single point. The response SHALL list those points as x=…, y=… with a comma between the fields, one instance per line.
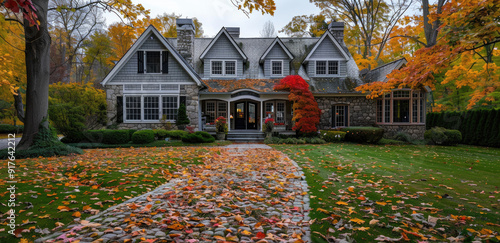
x=333, y=136
x=6, y=128
x=363, y=134
x=143, y=137
x=478, y=127
x=304, y=140
x=443, y=136
x=116, y=136
x=161, y=134
x=198, y=137
x=94, y=136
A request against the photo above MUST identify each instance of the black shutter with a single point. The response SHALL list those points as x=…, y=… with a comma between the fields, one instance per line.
x=119, y=109
x=164, y=66
x=346, y=112
x=140, y=62
x=182, y=100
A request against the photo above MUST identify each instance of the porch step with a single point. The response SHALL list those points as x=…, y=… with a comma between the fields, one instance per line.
x=246, y=136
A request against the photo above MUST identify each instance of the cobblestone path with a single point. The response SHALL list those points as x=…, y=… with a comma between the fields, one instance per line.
x=242, y=193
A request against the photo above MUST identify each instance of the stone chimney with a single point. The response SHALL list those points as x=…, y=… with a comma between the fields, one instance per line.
x=233, y=31
x=337, y=29
x=185, y=38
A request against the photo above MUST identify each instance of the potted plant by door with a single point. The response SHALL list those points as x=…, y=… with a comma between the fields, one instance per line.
x=221, y=128
x=182, y=118
x=268, y=127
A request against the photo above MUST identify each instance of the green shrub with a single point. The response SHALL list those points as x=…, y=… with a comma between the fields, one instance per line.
x=403, y=137
x=315, y=140
x=143, y=137
x=131, y=132
x=182, y=118
x=160, y=134
x=273, y=140
x=443, y=136
x=176, y=134
x=116, y=136
x=363, y=134
x=198, y=137
x=333, y=136
x=6, y=128
x=69, y=120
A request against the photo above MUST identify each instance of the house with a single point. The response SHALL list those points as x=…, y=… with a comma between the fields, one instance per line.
x=233, y=77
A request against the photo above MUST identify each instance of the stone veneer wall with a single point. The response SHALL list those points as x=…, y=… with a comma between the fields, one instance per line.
x=362, y=111
x=415, y=131
x=190, y=91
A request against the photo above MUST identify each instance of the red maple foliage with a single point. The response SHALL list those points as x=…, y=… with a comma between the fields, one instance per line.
x=306, y=112
x=26, y=7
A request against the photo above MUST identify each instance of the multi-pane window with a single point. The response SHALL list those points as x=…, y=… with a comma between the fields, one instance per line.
x=230, y=67
x=133, y=107
x=223, y=68
x=221, y=109
x=210, y=111
x=215, y=109
x=333, y=67
x=216, y=67
x=280, y=112
x=277, y=68
x=170, y=106
x=151, y=108
x=153, y=62
x=320, y=67
x=340, y=116
x=269, y=109
x=327, y=67
x=402, y=106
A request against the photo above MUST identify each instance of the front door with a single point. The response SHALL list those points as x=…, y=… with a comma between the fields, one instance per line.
x=239, y=122
x=246, y=115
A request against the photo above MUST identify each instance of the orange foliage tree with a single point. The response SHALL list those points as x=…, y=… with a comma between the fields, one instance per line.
x=468, y=29
x=306, y=112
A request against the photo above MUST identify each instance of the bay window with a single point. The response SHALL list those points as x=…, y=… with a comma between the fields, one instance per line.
x=401, y=106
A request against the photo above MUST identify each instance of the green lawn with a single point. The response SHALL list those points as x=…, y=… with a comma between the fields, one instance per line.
x=54, y=191
x=364, y=191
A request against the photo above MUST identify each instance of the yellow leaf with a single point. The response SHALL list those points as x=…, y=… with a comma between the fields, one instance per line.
x=358, y=221
x=341, y=203
x=76, y=214
x=381, y=203
x=246, y=232
x=323, y=210
x=238, y=218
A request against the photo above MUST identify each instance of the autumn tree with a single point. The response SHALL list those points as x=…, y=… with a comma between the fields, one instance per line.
x=306, y=25
x=98, y=53
x=306, y=112
x=466, y=37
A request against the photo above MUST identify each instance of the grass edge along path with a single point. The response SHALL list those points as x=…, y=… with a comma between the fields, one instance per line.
x=396, y=193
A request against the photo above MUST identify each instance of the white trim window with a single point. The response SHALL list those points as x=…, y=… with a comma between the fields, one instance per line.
x=133, y=108
x=327, y=67
x=150, y=108
x=401, y=107
x=223, y=68
x=276, y=68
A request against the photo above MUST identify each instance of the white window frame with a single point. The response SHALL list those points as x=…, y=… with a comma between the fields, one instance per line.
x=224, y=68
x=145, y=51
x=282, y=68
x=160, y=107
x=326, y=67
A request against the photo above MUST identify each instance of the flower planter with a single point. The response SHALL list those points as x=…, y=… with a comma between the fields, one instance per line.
x=279, y=128
x=220, y=136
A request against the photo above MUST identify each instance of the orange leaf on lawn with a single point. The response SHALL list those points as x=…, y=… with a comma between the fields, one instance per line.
x=76, y=214
x=63, y=208
x=381, y=203
x=341, y=203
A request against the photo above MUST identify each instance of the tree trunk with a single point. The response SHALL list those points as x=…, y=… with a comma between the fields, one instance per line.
x=431, y=29
x=37, y=72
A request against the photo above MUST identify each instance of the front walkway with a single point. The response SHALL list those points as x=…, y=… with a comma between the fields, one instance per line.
x=245, y=193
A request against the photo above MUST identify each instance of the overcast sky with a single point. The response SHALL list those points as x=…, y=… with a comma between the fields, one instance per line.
x=214, y=14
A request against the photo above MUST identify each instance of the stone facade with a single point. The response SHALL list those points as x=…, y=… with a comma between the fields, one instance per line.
x=189, y=91
x=185, y=39
x=415, y=131
x=361, y=110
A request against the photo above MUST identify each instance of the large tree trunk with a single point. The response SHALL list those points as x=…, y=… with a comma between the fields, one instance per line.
x=37, y=72
x=431, y=30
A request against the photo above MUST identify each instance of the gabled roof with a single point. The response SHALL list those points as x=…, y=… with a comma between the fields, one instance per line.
x=138, y=43
x=223, y=31
x=276, y=41
x=380, y=73
x=329, y=35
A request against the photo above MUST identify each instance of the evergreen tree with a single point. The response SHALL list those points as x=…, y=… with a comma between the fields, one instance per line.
x=182, y=118
x=483, y=114
x=488, y=125
x=469, y=129
x=429, y=120
x=494, y=140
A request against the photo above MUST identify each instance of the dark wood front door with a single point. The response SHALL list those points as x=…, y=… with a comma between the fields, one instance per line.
x=246, y=115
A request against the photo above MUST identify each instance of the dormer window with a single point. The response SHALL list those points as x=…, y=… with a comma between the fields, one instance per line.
x=223, y=68
x=152, y=61
x=327, y=67
x=277, y=68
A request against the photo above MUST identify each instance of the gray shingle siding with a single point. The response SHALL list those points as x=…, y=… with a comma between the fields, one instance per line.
x=326, y=50
x=224, y=49
x=267, y=67
x=311, y=67
x=153, y=43
x=128, y=73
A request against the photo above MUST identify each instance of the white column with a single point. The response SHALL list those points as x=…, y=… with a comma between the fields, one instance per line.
x=261, y=114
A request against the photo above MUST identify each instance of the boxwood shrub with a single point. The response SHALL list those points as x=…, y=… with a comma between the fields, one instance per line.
x=94, y=136
x=198, y=137
x=363, y=134
x=160, y=134
x=443, y=136
x=332, y=136
x=176, y=134
x=116, y=136
x=143, y=137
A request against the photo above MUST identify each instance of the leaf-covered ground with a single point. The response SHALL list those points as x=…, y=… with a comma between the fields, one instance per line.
x=52, y=192
x=395, y=193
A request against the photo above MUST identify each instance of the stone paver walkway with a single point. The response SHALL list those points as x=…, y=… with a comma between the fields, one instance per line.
x=243, y=193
